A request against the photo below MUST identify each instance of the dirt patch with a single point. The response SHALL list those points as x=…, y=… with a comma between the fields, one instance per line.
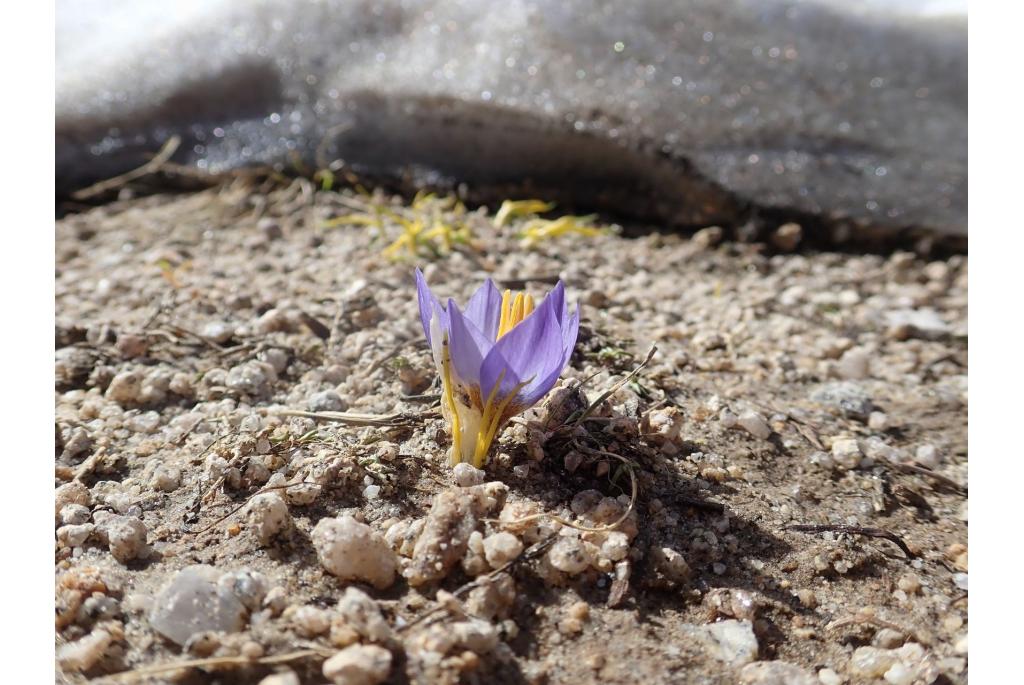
x=798, y=388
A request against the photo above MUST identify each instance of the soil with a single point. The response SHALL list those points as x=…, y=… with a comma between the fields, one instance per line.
x=189, y=326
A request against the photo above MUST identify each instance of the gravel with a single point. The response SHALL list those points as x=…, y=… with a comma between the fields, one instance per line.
x=358, y=665
x=375, y=530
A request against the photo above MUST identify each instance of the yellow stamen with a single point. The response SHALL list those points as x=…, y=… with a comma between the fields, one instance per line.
x=513, y=310
x=491, y=420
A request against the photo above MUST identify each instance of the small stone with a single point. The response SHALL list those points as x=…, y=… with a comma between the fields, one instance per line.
x=786, y=237
x=131, y=345
x=82, y=654
x=74, y=514
x=310, y=621
x=727, y=418
x=251, y=378
x=354, y=551
x=846, y=398
x=776, y=673
x=916, y=323
x=615, y=546
x=193, y=603
x=328, y=400
x=501, y=548
x=889, y=638
x=217, y=331
x=670, y=566
x=74, y=535
x=165, y=478
x=846, y=453
x=807, y=598
x=927, y=456
x=268, y=517
x=878, y=421
x=126, y=537
x=282, y=678
x=125, y=388
x=466, y=475
x=855, y=364
x=569, y=555
x=960, y=580
x=899, y=674
x=358, y=665
x=731, y=641
x=277, y=358
x=909, y=583
x=250, y=587
x=361, y=613
x=275, y=600
x=827, y=676
x=707, y=237
x=272, y=321
x=755, y=424
x=445, y=535
x=871, y=662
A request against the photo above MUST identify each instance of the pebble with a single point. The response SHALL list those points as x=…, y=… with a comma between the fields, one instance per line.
x=731, y=641
x=251, y=378
x=71, y=493
x=871, y=662
x=727, y=418
x=827, y=676
x=276, y=357
x=960, y=580
x=927, y=456
x=670, y=566
x=165, y=478
x=707, y=237
x=71, y=536
x=909, y=583
x=194, y=602
x=501, y=548
x=878, y=421
x=846, y=453
x=82, y=654
x=615, y=546
x=328, y=400
x=282, y=678
x=310, y=621
x=361, y=613
x=74, y=514
x=569, y=555
x=125, y=388
x=272, y=321
x=353, y=551
x=855, y=364
x=466, y=475
x=446, y=529
x=217, y=331
x=126, y=536
x=889, y=638
x=916, y=323
x=787, y=237
x=755, y=424
x=807, y=598
x=847, y=398
x=776, y=673
x=268, y=516
x=250, y=587
x=358, y=665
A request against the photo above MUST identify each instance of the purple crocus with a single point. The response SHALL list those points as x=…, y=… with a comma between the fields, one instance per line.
x=497, y=359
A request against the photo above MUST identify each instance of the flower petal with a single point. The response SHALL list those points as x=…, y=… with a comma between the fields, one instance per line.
x=530, y=351
x=467, y=346
x=428, y=304
x=529, y=396
x=484, y=309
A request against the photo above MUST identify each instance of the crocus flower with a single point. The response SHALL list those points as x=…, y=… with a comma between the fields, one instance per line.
x=497, y=359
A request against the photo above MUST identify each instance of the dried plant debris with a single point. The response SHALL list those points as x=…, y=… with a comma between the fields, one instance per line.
x=252, y=477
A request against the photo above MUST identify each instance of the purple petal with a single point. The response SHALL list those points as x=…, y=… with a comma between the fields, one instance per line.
x=557, y=297
x=429, y=304
x=467, y=345
x=484, y=309
x=532, y=394
x=530, y=351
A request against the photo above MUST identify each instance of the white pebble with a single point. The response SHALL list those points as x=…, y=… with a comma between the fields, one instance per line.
x=165, y=478
x=899, y=674
x=126, y=537
x=268, y=516
x=755, y=424
x=846, y=453
x=74, y=514
x=927, y=456
x=82, y=654
x=310, y=621
x=829, y=677
x=358, y=665
x=501, y=548
x=871, y=662
x=615, y=546
x=354, y=551
x=74, y=535
x=466, y=475
x=71, y=493
x=878, y=421
x=569, y=555
x=855, y=364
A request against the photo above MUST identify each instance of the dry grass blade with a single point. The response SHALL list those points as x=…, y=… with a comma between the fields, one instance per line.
x=153, y=165
x=353, y=419
x=612, y=390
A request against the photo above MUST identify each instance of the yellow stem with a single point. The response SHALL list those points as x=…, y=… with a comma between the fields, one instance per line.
x=449, y=396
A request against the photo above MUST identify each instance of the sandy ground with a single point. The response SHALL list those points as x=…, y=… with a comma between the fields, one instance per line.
x=788, y=388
